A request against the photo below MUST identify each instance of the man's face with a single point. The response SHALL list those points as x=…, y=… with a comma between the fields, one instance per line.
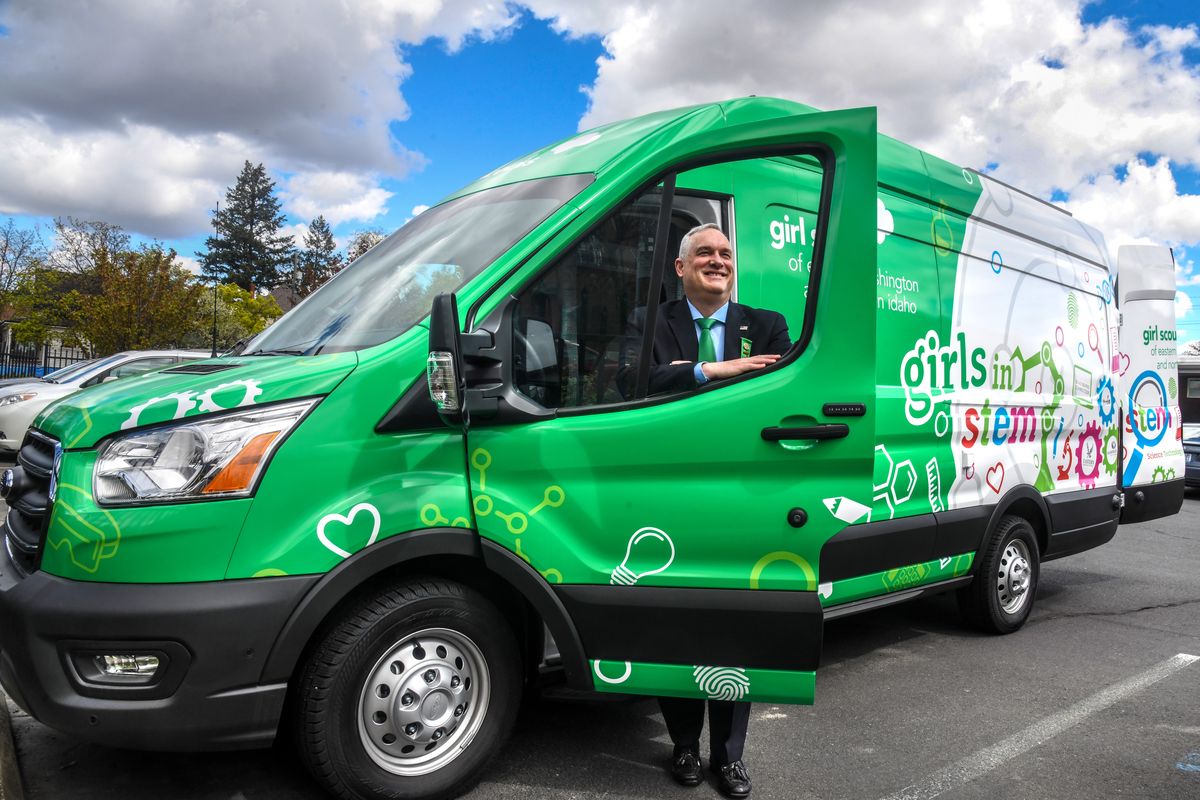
x=707, y=272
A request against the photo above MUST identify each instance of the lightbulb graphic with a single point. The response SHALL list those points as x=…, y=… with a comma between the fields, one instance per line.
x=645, y=553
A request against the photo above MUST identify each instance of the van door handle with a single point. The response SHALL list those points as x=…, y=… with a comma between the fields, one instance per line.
x=834, y=430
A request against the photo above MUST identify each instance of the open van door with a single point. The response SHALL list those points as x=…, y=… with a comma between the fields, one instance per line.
x=681, y=531
x=1152, y=448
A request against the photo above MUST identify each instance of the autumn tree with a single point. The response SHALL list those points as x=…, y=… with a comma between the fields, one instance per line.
x=246, y=247
x=317, y=262
x=145, y=300
x=44, y=300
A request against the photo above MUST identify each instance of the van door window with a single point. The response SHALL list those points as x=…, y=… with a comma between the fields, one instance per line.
x=577, y=327
x=570, y=323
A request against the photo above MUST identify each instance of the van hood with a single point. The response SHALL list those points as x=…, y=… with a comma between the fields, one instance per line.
x=190, y=390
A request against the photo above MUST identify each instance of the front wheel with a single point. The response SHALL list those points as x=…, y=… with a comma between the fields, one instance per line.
x=1001, y=596
x=410, y=694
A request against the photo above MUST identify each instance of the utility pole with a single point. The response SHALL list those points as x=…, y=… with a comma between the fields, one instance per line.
x=217, y=226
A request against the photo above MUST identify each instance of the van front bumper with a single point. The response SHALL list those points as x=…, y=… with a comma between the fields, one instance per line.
x=212, y=640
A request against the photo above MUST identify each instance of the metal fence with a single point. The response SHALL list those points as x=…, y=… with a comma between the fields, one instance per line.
x=34, y=360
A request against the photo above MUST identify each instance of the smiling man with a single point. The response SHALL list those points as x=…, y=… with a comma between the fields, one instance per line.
x=704, y=336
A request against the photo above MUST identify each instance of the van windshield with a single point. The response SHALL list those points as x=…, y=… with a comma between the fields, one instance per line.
x=391, y=287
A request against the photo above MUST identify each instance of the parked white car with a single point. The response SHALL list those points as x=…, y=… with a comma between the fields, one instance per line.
x=21, y=401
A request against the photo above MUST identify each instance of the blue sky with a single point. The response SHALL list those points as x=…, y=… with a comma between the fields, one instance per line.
x=144, y=119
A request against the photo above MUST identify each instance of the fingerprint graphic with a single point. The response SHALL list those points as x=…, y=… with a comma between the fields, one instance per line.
x=1171, y=387
x=1072, y=310
x=722, y=683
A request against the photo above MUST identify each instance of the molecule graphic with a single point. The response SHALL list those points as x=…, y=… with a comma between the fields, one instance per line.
x=517, y=522
x=893, y=483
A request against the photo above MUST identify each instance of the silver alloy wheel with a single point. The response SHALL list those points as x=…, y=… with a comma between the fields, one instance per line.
x=1014, y=577
x=423, y=702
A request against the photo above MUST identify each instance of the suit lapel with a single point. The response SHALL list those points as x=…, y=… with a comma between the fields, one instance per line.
x=734, y=320
x=679, y=318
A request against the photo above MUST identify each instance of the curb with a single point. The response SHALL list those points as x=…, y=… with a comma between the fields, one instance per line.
x=10, y=772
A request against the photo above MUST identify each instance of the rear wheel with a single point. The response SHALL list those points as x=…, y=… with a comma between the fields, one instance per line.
x=410, y=694
x=1000, y=598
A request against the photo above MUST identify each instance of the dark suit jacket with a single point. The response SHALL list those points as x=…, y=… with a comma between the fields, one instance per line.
x=675, y=340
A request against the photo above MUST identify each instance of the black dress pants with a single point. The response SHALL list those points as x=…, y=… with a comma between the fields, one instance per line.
x=727, y=724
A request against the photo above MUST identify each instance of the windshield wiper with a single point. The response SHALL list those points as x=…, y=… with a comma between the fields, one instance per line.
x=285, y=352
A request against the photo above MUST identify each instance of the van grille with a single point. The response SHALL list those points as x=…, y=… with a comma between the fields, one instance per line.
x=30, y=504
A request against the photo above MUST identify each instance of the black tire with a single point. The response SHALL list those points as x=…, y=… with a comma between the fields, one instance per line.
x=370, y=679
x=1001, y=596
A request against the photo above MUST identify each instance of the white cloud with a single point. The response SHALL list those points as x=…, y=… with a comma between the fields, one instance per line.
x=141, y=177
x=421, y=209
x=1183, y=305
x=1054, y=103
x=305, y=86
x=339, y=196
x=1144, y=208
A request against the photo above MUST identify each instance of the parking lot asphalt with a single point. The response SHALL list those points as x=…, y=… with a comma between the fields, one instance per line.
x=1095, y=697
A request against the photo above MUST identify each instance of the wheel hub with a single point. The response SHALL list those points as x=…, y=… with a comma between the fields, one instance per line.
x=1014, y=577
x=423, y=702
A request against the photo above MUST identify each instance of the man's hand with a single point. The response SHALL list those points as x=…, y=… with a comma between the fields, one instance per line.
x=737, y=366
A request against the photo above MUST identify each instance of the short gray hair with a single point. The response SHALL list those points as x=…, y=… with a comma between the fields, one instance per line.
x=685, y=244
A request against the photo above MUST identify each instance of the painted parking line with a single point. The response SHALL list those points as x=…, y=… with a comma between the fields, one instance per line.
x=980, y=763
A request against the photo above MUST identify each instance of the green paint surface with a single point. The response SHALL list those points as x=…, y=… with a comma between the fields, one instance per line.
x=721, y=683
x=895, y=580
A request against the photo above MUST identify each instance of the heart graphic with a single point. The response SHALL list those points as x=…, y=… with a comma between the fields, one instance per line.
x=943, y=562
x=347, y=520
x=1124, y=363
x=995, y=478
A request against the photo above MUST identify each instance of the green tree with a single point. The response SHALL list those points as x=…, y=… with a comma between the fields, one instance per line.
x=246, y=247
x=145, y=300
x=317, y=262
x=44, y=300
x=239, y=316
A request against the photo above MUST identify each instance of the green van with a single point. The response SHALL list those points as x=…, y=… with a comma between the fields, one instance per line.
x=444, y=471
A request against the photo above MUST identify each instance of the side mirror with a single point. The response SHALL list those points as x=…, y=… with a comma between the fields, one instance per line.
x=444, y=368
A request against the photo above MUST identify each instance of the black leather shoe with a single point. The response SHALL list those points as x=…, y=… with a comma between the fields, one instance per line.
x=732, y=779
x=685, y=769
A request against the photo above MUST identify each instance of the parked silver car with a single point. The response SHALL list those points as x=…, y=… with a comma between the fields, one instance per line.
x=21, y=401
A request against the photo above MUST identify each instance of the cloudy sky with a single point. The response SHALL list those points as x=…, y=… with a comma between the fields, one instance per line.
x=141, y=113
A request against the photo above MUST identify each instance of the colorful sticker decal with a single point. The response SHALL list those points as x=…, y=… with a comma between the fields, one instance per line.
x=704, y=682
x=894, y=580
x=649, y=552
x=199, y=402
x=344, y=531
x=722, y=683
x=91, y=537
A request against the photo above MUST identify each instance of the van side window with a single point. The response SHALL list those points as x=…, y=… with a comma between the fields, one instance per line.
x=570, y=323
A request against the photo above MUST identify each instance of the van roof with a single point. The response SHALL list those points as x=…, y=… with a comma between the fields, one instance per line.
x=901, y=167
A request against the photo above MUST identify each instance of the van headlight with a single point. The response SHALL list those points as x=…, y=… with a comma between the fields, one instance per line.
x=213, y=457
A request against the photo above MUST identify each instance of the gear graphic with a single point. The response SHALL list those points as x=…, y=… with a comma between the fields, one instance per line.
x=1106, y=400
x=1110, y=452
x=251, y=393
x=1162, y=474
x=184, y=403
x=1088, y=455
